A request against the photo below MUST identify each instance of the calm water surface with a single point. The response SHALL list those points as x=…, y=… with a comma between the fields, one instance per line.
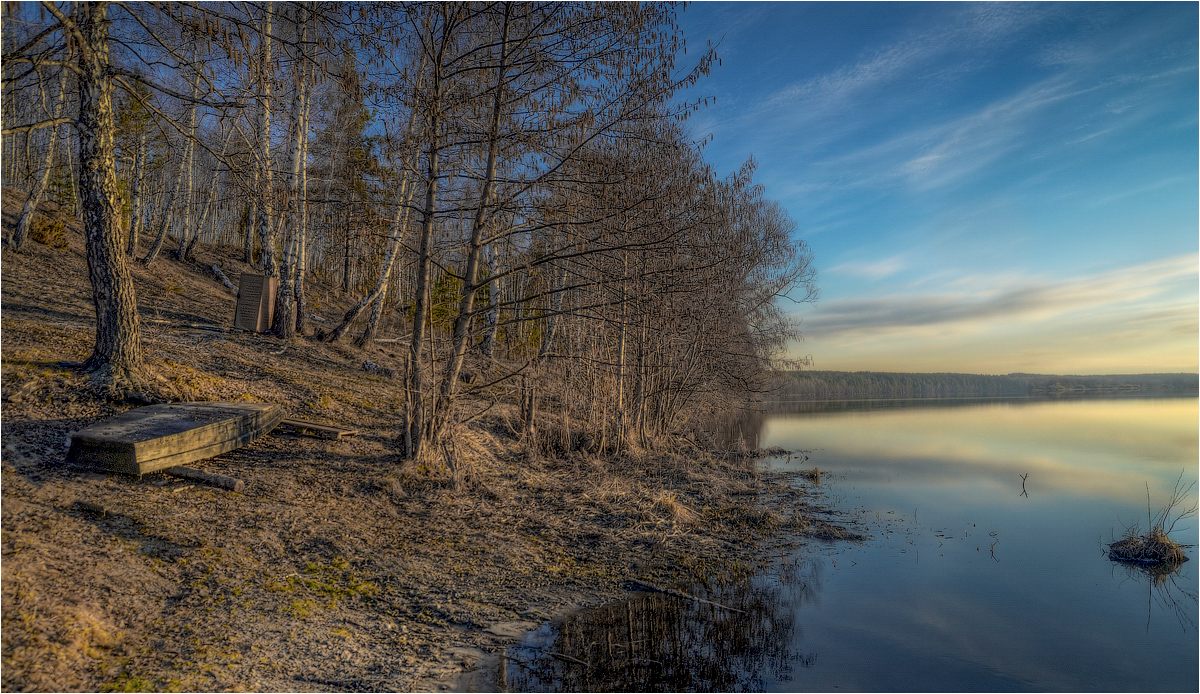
x=966, y=583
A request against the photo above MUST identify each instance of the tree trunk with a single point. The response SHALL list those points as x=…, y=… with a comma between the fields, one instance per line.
x=75, y=208
x=169, y=205
x=251, y=216
x=117, y=357
x=376, y=296
x=639, y=395
x=266, y=234
x=189, y=206
x=466, y=303
x=621, y=420
x=346, y=258
x=29, y=209
x=285, y=301
x=416, y=432
x=385, y=271
x=553, y=320
x=135, y=223
x=302, y=244
x=372, y=328
x=492, y=321
x=194, y=240
x=379, y=293
x=416, y=375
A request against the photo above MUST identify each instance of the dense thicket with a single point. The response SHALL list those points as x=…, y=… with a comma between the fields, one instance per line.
x=510, y=187
x=836, y=385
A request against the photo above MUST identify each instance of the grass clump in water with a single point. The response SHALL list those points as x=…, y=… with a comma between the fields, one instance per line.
x=1152, y=548
x=1155, y=549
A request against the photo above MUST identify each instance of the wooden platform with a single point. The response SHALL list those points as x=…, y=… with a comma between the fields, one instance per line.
x=152, y=438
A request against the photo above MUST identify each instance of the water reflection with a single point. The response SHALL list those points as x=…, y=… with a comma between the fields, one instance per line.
x=657, y=642
x=1082, y=448
x=966, y=584
x=1168, y=591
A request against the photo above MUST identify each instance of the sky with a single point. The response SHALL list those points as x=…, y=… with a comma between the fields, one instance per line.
x=986, y=188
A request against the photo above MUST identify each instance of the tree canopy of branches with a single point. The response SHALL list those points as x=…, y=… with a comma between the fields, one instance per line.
x=513, y=184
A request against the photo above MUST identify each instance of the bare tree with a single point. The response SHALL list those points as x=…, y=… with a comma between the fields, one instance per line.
x=81, y=42
x=117, y=355
x=29, y=208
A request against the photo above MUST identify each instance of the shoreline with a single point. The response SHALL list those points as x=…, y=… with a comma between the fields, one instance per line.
x=212, y=600
x=485, y=674
x=340, y=566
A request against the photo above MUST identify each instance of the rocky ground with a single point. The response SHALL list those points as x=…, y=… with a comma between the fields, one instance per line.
x=339, y=566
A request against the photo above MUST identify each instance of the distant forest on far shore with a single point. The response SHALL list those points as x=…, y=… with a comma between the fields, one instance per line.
x=833, y=385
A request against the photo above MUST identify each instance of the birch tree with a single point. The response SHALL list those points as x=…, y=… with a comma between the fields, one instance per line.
x=81, y=42
x=29, y=208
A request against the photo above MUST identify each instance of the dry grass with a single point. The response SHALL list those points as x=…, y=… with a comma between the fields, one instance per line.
x=188, y=587
x=667, y=505
x=1150, y=549
x=1155, y=549
x=49, y=231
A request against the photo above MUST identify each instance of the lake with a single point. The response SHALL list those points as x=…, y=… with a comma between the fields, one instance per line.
x=985, y=570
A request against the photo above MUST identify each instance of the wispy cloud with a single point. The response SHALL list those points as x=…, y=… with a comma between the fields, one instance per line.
x=856, y=125
x=915, y=58
x=970, y=161
x=977, y=140
x=875, y=270
x=828, y=107
x=1029, y=301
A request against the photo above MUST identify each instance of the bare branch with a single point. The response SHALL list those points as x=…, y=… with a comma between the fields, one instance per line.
x=36, y=126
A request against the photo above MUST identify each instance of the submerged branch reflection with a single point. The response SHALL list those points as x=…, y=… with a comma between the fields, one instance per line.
x=1164, y=589
x=659, y=642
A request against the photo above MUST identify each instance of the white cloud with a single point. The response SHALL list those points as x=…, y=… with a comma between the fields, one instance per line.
x=915, y=57
x=847, y=144
x=1125, y=291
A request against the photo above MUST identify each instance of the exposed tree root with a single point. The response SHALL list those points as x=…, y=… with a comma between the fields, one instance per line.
x=141, y=386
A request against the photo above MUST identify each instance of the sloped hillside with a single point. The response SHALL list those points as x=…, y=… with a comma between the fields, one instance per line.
x=340, y=566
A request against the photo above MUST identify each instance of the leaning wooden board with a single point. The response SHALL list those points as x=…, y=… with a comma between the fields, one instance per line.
x=152, y=438
x=321, y=431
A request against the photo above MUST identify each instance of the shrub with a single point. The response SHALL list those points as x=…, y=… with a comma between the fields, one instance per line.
x=49, y=231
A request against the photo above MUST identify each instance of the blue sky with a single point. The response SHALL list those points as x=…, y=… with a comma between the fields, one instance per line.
x=986, y=188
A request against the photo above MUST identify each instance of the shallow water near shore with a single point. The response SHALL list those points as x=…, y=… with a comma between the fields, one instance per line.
x=986, y=569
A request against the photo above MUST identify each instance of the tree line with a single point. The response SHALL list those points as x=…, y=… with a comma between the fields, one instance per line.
x=841, y=385
x=514, y=183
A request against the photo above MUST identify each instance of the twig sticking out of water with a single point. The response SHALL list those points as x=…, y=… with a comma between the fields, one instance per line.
x=1023, y=492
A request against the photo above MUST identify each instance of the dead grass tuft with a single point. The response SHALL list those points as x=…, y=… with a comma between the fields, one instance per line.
x=1155, y=549
x=1151, y=549
x=667, y=505
x=49, y=231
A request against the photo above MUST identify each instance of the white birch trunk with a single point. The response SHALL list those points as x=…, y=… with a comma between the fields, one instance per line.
x=29, y=209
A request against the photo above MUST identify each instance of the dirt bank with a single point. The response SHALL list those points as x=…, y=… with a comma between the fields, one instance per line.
x=339, y=567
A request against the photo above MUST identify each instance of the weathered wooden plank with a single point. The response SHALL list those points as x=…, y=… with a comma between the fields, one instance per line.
x=153, y=438
x=323, y=431
x=230, y=483
x=89, y=507
x=256, y=302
